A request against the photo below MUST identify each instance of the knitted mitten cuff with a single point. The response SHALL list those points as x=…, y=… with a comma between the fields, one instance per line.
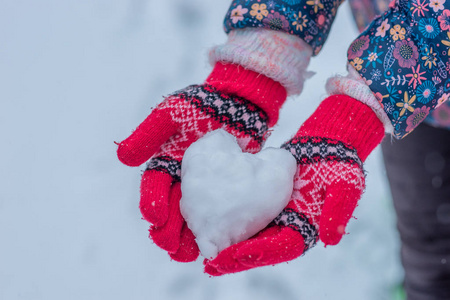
x=344, y=119
x=262, y=91
x=354, y=86
x=277, y=55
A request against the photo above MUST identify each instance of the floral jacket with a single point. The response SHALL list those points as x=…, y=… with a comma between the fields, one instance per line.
x=402, y=54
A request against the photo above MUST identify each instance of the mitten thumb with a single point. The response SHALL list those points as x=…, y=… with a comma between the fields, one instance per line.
x=340, y=201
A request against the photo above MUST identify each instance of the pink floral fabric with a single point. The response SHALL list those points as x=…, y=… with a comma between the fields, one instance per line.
x=402, y=55
x=308, y=19
x=403, y=58
x=364, y=11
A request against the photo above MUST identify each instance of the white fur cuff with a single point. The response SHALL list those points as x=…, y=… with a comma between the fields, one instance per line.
x=277, y=55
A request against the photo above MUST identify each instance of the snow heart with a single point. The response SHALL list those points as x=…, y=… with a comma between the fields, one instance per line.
x=227, y=195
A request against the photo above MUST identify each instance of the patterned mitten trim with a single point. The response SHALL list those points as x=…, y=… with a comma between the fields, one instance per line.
x=298, y=222
x=308, y=150
x=236, y=112
x=167, y=165
x=277, y=55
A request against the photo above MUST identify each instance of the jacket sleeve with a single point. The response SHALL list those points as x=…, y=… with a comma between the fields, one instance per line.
x=310, y=20
x=403, y=58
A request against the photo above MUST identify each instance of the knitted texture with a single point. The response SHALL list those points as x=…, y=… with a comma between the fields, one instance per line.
x=330, y=148
x=180, y=120
x=261, y=91
x=354, y=86
x=277, y=55
x=342, y=118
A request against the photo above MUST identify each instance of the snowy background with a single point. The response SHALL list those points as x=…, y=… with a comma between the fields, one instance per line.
x=76, y=76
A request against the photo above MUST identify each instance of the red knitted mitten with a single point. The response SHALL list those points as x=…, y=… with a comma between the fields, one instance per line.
x=240, y=101
x=330, y=148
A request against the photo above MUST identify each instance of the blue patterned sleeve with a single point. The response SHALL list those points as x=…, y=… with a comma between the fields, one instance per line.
x=403, y=57
x=308, y=19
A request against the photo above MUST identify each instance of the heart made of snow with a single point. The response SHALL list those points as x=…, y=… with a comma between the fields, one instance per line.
x=227, y=195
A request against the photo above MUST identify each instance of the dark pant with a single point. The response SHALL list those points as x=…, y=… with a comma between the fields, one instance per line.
x=418, y=169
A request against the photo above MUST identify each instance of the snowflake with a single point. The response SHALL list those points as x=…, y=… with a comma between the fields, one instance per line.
x=376, y=74
x=389, y=108
x=271, y=4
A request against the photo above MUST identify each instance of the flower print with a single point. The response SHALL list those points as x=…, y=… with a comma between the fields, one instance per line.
x=317, y=50
x=436, y=79
x=321, y=19
x=316, y=4
x=416, y=76
x=419, y=8
x=270, y=4
x=358, y=46
x=393, y=93
x=300, y=21
x=437, y=5
x=259, y=11
x=442, y=115
x=430, y=58
x=238, y=13
x=276, y=22
x=447, y=42
x=308, y=38
x=381, y=30
x=444, y=20
x=443, y=99
x=440, y=91
x=376, y=74
x=389, y=108
x=335, y=7
x=292, y=2
x=393, y=5
x=443, y=69
x=397, y=32
x=425, y=92
x=447, y=85
x=380, y=98
x=406, y=104
x=422, y=44
x=373, y=58
x=429, y=28
x=406, y=53
x=357, y=63
x=417, y=117
x=367, y=81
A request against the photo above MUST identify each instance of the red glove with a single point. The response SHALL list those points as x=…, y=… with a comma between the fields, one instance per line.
x=242, y=102
x=330, y=148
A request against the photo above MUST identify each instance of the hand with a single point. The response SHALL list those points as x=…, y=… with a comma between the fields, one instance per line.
x=240, y=101
x=329, y=149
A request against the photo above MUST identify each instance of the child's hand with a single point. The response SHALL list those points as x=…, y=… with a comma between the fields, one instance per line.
x=329, y=148
x=324, y=197
x=240, y=101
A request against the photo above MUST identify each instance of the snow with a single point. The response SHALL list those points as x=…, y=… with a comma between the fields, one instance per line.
x=228, y=195
x=76, y=76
